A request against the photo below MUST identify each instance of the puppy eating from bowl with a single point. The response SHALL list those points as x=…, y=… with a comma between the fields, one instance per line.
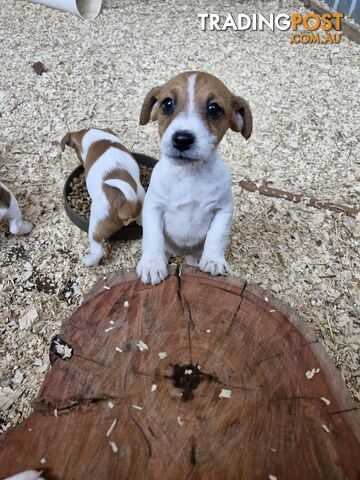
x=113, y=182
x=188, y=206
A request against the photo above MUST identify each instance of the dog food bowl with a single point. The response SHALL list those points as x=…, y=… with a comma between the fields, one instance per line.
x=131, y=231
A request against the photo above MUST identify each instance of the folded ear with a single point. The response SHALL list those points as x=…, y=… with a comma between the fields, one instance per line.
x=149, y=107
x=241, y=118
x=66, y=140
x=74, y=140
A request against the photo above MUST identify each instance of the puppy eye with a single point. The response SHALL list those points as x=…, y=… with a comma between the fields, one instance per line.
x=214, y=110
x=168, y=105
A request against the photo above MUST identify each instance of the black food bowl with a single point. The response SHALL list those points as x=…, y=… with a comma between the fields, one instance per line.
x=131, y=231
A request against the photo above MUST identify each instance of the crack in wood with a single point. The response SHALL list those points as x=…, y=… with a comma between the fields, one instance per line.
x=47, y=407
x=256, y=364
x=139, y=427
x=185, y=308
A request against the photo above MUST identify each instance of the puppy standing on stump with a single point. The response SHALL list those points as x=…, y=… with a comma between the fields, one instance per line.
x=10, y=210
x=113, y=182
x=188, y=206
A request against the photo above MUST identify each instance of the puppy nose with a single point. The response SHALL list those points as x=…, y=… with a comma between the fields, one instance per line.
x=182, y=140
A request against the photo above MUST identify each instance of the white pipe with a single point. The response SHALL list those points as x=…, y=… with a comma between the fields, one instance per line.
x=84, y=8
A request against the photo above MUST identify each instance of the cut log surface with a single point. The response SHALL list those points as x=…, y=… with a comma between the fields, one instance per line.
x=229, y=400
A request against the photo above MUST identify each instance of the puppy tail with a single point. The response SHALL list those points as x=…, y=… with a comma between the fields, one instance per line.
x=124, y=188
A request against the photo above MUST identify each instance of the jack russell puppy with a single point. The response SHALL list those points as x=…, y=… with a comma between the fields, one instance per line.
x=188, y=206
x=113, y=182
x=10, y=210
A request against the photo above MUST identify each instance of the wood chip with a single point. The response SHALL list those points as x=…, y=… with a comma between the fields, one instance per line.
x=325, y=428
x=225, y=393
x=153, y=387
x=27, y=320
x=325, y=400
x=136, y=407
x=162, y=355
x=114, y=447
x=142, y=346
x=180, y=422
x=311, y=373
x=126, y=304
x=112, y=426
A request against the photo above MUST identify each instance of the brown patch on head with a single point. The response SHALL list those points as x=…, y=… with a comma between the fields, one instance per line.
x=121, y=210
x=5, y=198
x=208, y=89
x=175, y=89
x=97, y=149
x=74, y=140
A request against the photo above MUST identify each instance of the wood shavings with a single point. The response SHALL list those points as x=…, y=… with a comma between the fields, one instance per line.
x=112, y=426
x=142, y=346
x=208, y=331
x=61, y=348
x=110, y=404
x=162, y=355
x=106, y=287
x=114, y=447
x=136, y=407
x=225, y=393
x=109, y=329
x=42, y=461
x=180, y=422
x=272, y=477
x=27, y=320
x=188, y=371
x=153, y=387
x=325, y=428
x=118, y=349
x=325, y=400
x=126, y=304
x=55, y=412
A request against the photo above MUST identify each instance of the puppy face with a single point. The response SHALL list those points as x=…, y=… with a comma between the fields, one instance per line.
x=194, y=110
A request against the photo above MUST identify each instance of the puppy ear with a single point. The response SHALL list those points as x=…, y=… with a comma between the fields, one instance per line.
x=149, y=107
x=66, y=140
x=241, y=118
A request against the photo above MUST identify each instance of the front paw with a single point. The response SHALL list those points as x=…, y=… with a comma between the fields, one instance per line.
x=91, y=260
x=216, y=265
x=20, y=227
x=152, y=270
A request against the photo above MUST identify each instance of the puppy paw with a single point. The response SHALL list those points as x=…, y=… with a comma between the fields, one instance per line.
x=152, y=270
x=20, y=227
x=91, y=260
x=214, y=265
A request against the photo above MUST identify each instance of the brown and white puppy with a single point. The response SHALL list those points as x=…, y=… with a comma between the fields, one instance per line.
x=188, y=206
x=113, y=182
x=10, y=210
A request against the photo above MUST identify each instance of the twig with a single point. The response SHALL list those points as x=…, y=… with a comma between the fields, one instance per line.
x=297, y=198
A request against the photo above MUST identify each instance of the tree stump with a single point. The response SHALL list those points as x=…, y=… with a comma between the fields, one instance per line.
x=229, y=399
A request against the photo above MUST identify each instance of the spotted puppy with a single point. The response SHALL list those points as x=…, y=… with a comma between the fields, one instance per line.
x=188, y=206
x=113, y=182
x=10, y=210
